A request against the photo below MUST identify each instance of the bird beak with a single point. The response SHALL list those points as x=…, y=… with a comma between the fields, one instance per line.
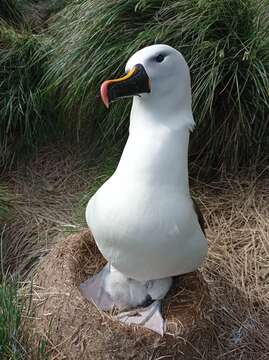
x=135, y=82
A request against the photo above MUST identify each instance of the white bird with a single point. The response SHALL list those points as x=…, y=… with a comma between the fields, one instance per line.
x=143, y=218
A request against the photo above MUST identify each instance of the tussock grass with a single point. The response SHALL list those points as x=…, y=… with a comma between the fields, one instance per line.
x=26, y=114
x=225, y=43
x=15, y=306
x=38, y=12
x=29, y=13
x=12, y=11
x=11, y=310
x=6, y=201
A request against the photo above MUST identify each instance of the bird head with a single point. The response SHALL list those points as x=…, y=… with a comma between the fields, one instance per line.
x=157, y=73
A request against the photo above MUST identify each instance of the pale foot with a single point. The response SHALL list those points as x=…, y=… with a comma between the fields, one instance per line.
x=93, y=289
x=149, y=317
x=110, y=288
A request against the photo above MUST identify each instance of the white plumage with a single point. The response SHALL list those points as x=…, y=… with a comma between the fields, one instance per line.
x=143, y=218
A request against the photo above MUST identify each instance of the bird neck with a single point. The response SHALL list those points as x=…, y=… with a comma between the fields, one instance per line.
x=159, y=113
x=156, y=152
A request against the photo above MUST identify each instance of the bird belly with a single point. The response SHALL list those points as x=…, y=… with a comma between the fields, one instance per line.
x=146, y=233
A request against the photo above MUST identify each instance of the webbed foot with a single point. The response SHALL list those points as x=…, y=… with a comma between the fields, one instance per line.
x=149, y=317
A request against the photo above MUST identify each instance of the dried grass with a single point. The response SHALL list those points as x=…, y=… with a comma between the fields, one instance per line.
x=236, y=211
x=237, y=217
x=75, y=329
x=237, y=270
x=47, y=188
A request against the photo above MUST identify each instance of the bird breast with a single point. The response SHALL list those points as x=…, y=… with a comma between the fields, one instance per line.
x=146, y=232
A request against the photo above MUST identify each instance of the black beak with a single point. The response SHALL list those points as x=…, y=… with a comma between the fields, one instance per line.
x=135, y=82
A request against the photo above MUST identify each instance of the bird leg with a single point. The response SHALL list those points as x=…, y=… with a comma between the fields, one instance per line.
x=110, y=288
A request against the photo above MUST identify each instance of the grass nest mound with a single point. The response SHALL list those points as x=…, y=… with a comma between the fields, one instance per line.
x=75, y=329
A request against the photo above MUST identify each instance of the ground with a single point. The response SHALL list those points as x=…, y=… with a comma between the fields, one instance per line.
x=53, y=189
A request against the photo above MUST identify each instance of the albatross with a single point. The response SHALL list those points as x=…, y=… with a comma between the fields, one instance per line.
x=143, y=218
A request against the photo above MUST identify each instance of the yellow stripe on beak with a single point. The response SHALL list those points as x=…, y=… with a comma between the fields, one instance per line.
x=125, y=77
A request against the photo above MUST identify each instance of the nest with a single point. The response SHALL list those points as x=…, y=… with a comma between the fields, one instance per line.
x=75, y=329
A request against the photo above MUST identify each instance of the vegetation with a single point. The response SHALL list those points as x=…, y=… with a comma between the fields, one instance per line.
x=5, y=201
x=12, y=11
x=50, y=72
x=236, y=213
x=14, y=307
x=27, y=113
x=10, y=320
x=21, y=13
x=225, y=42
x=24, y=114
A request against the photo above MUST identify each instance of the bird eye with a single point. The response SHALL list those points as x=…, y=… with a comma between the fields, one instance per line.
x=159, y=58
